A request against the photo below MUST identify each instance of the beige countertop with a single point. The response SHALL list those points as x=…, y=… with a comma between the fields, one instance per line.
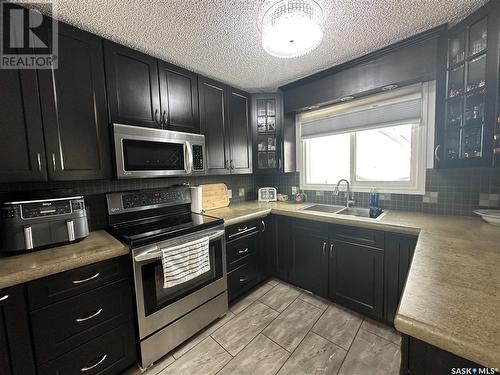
x=98, y=246
x=452, y=295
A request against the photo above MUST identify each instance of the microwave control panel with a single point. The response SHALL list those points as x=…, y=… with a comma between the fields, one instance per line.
x=198, y=158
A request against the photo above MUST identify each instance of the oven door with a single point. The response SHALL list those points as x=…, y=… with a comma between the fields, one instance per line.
x=145, y=152
x=158, y=306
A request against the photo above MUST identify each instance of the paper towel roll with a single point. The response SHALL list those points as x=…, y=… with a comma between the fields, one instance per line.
x=196, y=199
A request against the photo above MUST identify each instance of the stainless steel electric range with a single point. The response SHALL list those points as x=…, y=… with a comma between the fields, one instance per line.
x=151, y=221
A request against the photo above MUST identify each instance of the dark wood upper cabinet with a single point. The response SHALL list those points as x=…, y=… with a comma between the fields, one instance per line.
x=22, y=149
x=273, y=135
x=213, y=124
x=467, y=92
x=179, y=98
x=73, y=101
x=240, y=133
x=16, y=354
x=224, y=120
x=309, y=256
x=133, y=86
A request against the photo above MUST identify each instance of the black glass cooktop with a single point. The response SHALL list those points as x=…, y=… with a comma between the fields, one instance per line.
x=159, y=228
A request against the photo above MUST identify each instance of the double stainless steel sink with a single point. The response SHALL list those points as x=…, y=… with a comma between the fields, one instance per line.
x=342, y=210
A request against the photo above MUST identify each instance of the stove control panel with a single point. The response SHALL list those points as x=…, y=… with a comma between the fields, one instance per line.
x=143, y=199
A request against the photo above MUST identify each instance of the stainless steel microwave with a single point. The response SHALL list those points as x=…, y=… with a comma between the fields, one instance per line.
x=146, y=152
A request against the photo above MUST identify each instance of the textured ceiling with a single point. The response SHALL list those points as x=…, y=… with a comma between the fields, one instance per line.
x=220, y=38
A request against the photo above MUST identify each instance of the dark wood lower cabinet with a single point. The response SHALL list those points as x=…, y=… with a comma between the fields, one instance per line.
x=309, y=256
x=356, y=277
x=108, y=354
x=16, y=356
x=246, y=256
x=421, y=358
x=398, y=256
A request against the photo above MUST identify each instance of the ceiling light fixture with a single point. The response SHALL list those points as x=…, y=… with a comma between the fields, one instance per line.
x=291, y=28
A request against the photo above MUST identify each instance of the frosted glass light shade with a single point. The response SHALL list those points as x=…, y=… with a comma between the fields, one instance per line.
x=292, y=28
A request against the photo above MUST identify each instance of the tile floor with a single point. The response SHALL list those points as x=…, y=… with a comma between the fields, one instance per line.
x=279, y=329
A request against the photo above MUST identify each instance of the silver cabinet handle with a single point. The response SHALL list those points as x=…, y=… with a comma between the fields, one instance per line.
x=436, y=152
x=331, y=250
x=28, y=238
x=71, y=230
x=39, y=160
x=231, y=164
x=87, y=279
x=226, y=164
x=324, y=247
x=78, y=320
x=263, y=225
x=54, y=162
x=165, y=118
x=242, y=229
x=83, y=369
x=243, y=251
x=4, y=298
x=243, y=279
x=157, y=120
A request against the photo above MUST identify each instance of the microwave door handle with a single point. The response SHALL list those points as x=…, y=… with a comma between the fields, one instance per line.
x=188, y=156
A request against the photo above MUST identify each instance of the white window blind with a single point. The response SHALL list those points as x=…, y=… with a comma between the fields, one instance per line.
x=379, y=114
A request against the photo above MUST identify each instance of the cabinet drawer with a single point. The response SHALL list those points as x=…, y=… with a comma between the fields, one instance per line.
x=242, y=278
x=361, y=236
x=240, y=249
x=108, y=354
x=236, y=231
x=67, y=284
x=63, y=326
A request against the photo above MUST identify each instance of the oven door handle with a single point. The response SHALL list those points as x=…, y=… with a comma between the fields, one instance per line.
x=155, y=252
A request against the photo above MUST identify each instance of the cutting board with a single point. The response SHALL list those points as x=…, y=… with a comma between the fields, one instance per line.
x=214, y=196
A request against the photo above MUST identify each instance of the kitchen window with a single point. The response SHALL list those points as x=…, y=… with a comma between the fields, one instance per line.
x=377, y=142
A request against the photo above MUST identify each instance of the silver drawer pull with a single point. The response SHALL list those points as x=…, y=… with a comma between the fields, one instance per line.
x=242, y=229
x=87, y=279
x=78, y=320
x=83, y=369
x=243, y=279
x=4, y=298
x=243, y=251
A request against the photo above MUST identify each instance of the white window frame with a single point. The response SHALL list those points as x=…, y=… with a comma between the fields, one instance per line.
x=422, y=141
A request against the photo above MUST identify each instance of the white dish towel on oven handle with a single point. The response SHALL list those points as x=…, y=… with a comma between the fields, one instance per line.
x=184, y=262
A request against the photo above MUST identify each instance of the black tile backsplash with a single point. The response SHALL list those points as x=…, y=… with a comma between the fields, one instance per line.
x=458, y=191
x=95, y=190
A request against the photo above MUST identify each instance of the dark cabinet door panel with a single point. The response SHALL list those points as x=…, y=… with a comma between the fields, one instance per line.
x=361, y=236
x=74, y=109
x=65, y=325
x=16, y=355
x=133, y=87
x=214, y=125
x=398, y=256
x=108, y=354
x=244, y=277
x=22, y=150
x=281, y=259
x=309, y=260
x=240, y=132
x=356, y=277
x=241, y=248
x=179, y=98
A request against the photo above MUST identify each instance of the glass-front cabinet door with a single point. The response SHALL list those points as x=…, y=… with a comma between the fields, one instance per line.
x=467, y=115
x=267, y=125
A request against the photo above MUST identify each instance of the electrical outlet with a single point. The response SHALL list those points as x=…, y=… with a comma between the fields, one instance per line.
x=229, y=193
x=294, y=190
x=241, y=192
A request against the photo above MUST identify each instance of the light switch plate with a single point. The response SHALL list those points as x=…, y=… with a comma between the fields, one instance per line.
x=294, y=189
x=241, y=192
x=229, y=193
